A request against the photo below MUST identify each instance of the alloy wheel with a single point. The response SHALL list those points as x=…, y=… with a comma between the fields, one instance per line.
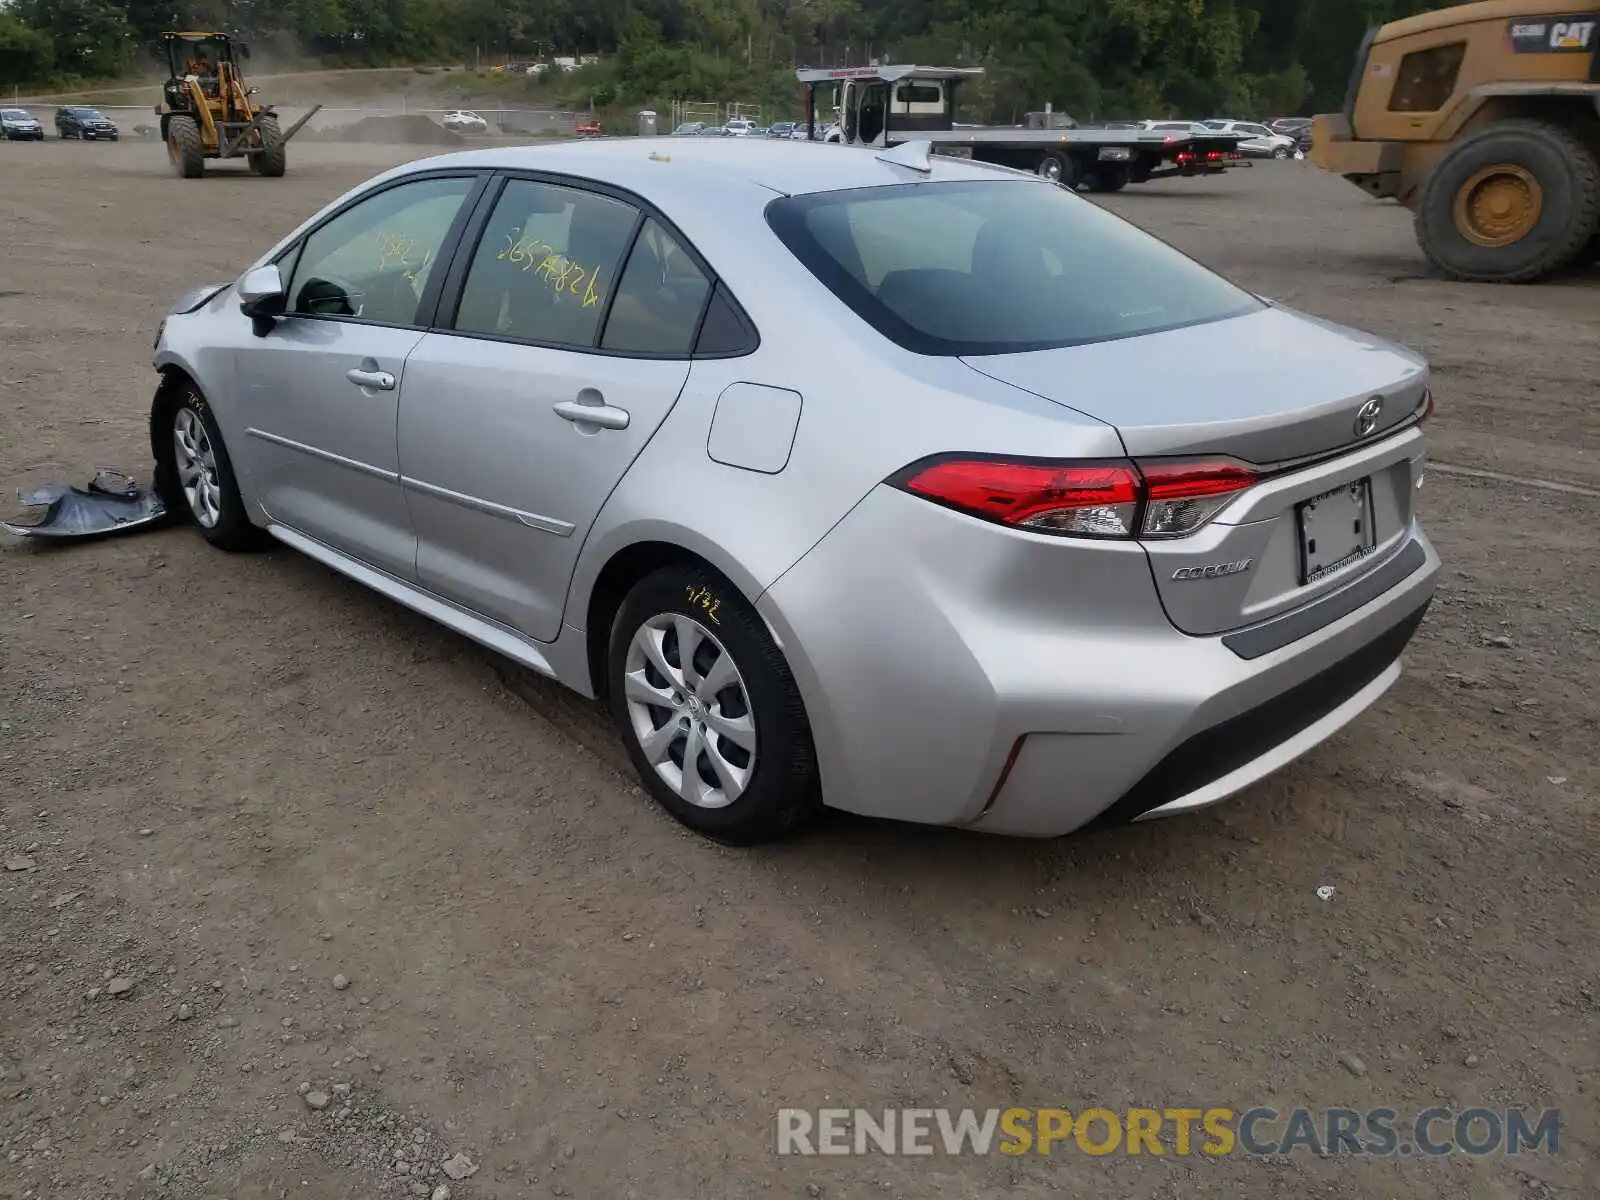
x=197, y=467
x=689, y=708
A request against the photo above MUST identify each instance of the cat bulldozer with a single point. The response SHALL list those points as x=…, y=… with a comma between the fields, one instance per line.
x=1484, y=120
x=207, y=111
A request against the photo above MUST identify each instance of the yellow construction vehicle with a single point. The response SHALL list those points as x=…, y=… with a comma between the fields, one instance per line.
x=1484, y=121
x=207, y=111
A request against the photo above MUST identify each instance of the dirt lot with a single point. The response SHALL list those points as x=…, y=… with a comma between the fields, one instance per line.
x=225, y=782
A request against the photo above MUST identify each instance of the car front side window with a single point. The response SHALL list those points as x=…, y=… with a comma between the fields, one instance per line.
x=372, y=261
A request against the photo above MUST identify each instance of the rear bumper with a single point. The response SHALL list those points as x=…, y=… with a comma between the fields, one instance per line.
x=955, y=674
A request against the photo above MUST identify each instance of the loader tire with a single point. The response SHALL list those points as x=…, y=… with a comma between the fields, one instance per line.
x=273, y=158
x=184, y=148
x=1513, y=202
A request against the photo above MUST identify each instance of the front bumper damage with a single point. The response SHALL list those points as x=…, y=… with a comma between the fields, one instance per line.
x=112, y=503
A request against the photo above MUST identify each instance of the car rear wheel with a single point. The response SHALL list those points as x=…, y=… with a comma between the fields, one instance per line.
x=708, y=709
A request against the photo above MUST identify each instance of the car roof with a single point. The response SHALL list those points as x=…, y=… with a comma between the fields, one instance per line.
x=636, y=162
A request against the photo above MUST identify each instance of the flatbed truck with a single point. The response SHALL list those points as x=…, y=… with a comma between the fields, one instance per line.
x=883, y=106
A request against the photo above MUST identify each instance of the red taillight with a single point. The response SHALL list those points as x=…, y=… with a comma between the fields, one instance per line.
x=1183, y=495
x=1159, y=499
x=1082, y=499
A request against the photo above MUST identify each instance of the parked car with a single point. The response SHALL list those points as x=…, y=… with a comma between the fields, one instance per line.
x=689, y=129
x=86, y=124
x=780, y=129
x=1001, y=558
x=739, y=127
x=464, y=120
x=588, y=126
x=1298, y=128
x=20, y=125
x=1256, y=139
x=1186, y=127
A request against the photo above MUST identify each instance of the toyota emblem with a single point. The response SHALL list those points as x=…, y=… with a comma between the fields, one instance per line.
x=1367, y=418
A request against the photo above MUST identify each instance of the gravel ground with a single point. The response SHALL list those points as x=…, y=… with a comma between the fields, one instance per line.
x=303, y=895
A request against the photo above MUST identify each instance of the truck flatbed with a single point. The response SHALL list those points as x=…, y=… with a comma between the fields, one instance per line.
x=891, y=105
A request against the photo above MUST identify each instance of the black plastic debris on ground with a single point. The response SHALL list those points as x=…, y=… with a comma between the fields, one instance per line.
x=112, y=503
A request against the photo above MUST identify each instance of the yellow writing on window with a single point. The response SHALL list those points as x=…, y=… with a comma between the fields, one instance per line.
x=556, y=269
x=398, y=250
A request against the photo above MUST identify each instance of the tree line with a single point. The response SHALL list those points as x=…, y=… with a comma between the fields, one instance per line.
x=1092, y=58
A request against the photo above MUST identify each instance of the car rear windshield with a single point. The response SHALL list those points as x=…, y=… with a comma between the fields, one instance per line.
x=996, y=266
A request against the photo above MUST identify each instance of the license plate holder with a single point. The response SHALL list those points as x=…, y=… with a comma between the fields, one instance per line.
x=1336, y=529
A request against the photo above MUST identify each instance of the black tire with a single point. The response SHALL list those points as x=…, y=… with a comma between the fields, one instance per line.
x=232, y=529
x=1061, y=168
x=783, y=791
x=1106, y=179
x=1280, y=152
x=184, y=148
x=272, y=159
x=1590, y=254
x=1568, y=176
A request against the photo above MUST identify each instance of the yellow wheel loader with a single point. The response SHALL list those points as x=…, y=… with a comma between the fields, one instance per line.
x=207, y=111
x=1484, y=121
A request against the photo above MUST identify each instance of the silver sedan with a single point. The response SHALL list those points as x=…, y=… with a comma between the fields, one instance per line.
x=878, y=480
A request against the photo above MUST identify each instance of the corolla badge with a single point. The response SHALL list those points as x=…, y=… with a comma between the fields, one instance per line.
x=1214, y=571
x=1367, y=417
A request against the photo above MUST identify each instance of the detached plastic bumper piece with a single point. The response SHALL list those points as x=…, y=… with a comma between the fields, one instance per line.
x=112, y=503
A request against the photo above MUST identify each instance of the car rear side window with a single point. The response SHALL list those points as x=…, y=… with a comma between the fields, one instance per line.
x=372, y=261
x=659, y=300
x=546, y=265
x=996, y=266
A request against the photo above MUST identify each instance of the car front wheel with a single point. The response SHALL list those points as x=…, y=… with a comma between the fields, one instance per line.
x=708, y=709
x=195, y=474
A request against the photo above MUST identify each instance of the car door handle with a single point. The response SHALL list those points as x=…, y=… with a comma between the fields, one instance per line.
x=604, y=415
x=380, y=381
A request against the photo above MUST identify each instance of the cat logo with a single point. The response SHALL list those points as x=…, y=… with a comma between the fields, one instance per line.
x=1571, y=35
x=1551, y=36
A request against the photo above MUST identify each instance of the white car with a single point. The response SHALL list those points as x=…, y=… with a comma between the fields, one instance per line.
x=739, y=127
x=1257, y=140
x=465, y=121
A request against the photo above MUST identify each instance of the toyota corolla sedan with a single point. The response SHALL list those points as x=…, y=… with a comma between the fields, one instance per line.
x=883, y=481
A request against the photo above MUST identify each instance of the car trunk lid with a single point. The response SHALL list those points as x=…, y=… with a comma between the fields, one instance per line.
x=1309, y=404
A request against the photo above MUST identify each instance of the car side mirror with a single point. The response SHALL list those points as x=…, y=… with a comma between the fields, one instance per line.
x=262, y=297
